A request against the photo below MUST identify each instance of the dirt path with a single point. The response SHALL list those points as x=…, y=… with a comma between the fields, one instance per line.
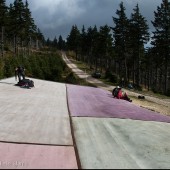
x=152, y=103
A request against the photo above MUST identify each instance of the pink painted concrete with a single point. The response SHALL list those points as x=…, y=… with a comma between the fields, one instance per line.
x=21, y=156
x=94, y=102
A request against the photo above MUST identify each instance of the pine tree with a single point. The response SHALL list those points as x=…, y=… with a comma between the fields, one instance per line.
x=92, y=36
x=139, y=34
x=18, y=17
x=161, y=38
x=39, y=38
x=16, y=22
x=48, y=42
x=55, y=43
x=120, y=34
x=83, y=44
x=89, y=44
x=73, y=40
x=105, y=46
x=3, y=18
x=21, y=27
x=95, y=44
x=61, y=43
x=29, y=25
x=3, y=13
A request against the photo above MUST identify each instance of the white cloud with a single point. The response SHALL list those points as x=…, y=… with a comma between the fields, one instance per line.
x=58, y=16
x=69, y=8
x=56, y=13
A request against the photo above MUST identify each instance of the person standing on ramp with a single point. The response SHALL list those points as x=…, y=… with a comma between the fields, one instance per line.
x=20, y=72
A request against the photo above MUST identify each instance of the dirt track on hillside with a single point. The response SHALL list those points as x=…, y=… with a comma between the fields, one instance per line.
x=151, y=103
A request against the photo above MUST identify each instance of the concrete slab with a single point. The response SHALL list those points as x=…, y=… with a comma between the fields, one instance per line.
x=37, y=115
x=94, y=102
x=19, y=156
x=122, y=144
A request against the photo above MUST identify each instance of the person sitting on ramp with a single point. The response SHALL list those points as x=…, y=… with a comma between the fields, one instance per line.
x=120, y=94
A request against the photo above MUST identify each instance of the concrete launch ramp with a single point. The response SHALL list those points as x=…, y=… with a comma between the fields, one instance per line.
x=122, y=143
x=94, y=102
x=37, y=115
x=20, y=156
x=35, y=127
x=58, y=126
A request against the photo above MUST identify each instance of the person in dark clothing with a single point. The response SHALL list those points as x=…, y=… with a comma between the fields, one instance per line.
x=20, y=72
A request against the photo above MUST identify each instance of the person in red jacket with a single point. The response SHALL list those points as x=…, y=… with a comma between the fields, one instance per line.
x=121, y=94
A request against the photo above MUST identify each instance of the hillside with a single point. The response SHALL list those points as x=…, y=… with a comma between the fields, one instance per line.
x=151, y=102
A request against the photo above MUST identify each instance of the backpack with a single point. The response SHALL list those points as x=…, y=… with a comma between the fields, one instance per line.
x=30, y=83
x=115, y=92
x=26, y=83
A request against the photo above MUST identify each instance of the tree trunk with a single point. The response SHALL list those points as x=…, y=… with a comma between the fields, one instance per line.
x=133, y=73
x=160, y=80
x=165, y=77
x=2, y=41
x=126, y=71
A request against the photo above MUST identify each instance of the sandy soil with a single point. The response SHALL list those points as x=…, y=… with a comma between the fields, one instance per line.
x=152, y=106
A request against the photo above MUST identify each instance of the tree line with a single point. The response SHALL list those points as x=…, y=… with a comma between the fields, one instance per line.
x=19, y=40
x=120, y=49
x=18, y=31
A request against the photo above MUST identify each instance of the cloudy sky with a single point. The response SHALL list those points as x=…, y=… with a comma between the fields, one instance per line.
x=56, y=17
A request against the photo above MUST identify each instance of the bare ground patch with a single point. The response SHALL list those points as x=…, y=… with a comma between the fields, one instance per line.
x=165, y=110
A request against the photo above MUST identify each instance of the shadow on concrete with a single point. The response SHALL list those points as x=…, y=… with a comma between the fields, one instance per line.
x=7, y=83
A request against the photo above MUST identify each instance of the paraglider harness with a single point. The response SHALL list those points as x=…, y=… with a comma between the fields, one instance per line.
x=25, y=83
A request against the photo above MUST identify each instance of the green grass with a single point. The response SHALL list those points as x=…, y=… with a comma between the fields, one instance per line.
x=82, y=66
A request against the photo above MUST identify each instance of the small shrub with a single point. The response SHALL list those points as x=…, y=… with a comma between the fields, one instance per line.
x=71, y=79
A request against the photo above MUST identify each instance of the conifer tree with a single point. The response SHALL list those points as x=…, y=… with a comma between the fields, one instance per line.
x=40, y=40
x=3, y=13
x=48, y=42
x=83, y=42
x=61, y=43
x=30, y=27
x=3, y=18
x=73, y=40
x=161, y=39
x=18, y=17
x=95, y=46
x=16, y=22
x=21, y=28
x=120, y=34
x=138, y=35
x=55, y=43
x=105, y=46
x=89, y=44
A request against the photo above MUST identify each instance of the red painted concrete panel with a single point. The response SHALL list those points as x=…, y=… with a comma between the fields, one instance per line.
x=94, y=102
x=21, y=156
